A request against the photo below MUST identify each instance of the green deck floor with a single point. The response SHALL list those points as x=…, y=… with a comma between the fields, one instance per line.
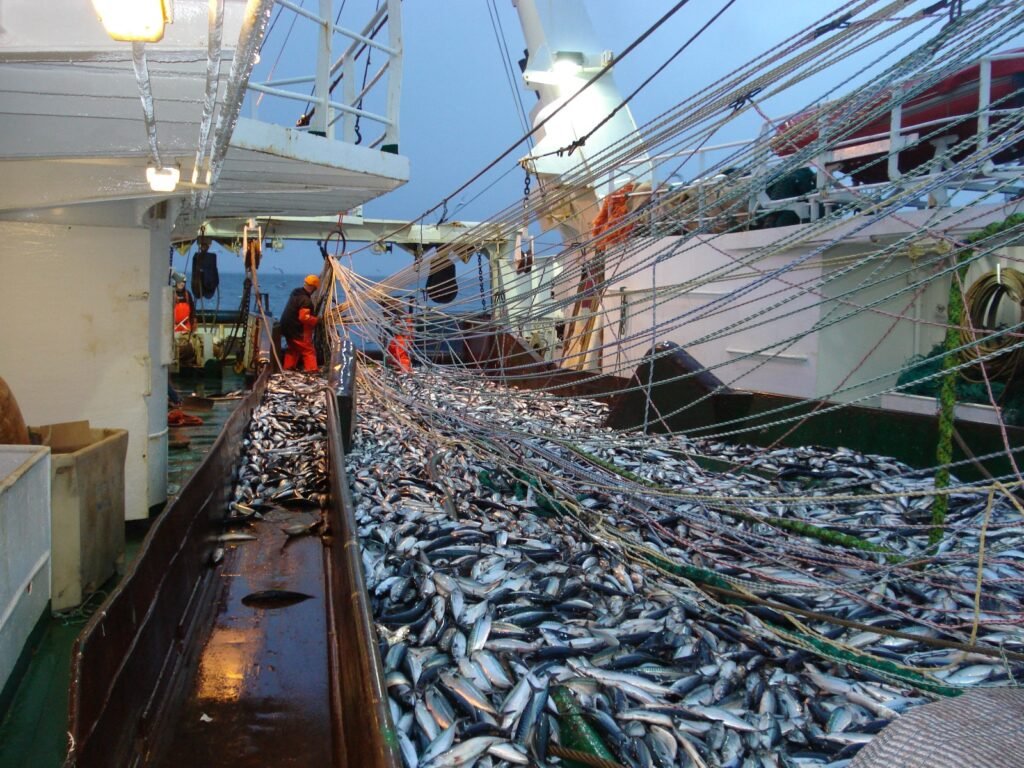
x=33, y=731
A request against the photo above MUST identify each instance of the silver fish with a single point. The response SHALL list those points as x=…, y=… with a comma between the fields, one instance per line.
x=464, y=753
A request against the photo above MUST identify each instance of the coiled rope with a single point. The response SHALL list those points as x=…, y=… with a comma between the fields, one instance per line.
x=980, y=302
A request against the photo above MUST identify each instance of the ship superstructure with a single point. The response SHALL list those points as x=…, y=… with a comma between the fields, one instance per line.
x=87, y=238
x=812, y=261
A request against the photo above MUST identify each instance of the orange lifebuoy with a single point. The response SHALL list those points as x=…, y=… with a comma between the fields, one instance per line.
x=182, y=317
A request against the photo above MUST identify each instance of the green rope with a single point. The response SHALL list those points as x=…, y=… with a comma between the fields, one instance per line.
x=801, y=527
x=903, y=675
x=702, y=576
x=816, y=645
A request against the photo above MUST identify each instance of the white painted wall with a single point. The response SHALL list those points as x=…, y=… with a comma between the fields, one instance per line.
x=81, y=336
x=159, y=351
x=867, y=346
x=872, y=344
x=786, y=368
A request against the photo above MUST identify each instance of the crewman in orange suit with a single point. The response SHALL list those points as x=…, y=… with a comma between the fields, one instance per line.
x=609, y=219
x=400, y=343
x=184, y=306
x=398, y=347
x=297, y=324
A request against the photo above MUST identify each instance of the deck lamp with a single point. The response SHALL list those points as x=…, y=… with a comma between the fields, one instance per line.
x=139, y=21
x=567, y=63
x=162, y=179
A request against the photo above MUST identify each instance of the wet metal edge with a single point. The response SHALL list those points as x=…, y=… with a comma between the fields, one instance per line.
x=127, y=663
x=361, y=718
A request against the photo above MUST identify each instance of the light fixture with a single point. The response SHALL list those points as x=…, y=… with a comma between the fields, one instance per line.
x=162, y=179
x=140, y=21
x=277, y=244
x=567, y=63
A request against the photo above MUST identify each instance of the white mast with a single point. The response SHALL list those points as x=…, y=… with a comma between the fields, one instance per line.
x=563, y=55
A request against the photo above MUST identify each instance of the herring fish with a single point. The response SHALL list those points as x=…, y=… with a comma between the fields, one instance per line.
x=274, y=598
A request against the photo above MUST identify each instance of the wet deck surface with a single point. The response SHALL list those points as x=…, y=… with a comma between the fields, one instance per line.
x=259, y=694
x=188, y=446
x=33, y=728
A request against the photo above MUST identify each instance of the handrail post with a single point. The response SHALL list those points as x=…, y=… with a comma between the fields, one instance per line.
x=348, y=82
x=984, y=102
x=895, y=137
x=390, y=143
x=321, y=124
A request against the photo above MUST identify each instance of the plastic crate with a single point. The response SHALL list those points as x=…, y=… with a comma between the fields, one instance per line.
x=87, y=508
x=24, y=548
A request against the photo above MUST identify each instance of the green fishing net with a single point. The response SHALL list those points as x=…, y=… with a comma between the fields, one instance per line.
x=1009, y=397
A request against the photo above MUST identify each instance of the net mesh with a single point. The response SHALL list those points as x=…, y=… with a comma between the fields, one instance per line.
x=980, y=729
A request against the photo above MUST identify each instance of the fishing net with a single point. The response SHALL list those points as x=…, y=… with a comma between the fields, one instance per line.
x=921, y=378
x=830, y=563
x=980, y=729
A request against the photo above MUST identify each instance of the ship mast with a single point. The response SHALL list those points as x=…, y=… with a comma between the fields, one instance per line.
x=587, y=146
x=563, y=55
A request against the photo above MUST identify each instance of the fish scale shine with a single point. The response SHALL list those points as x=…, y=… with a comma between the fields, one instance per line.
x=543, y=603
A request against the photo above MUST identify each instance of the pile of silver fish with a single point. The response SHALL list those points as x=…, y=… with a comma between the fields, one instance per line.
x=283, y=469
x=540, y=582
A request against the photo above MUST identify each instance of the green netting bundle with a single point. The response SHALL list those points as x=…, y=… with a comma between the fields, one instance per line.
x=910, y=382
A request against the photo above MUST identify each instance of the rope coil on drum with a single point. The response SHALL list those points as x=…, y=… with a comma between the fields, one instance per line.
x=983, y=300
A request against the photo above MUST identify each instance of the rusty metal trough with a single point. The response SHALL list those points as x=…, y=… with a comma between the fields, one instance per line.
x=174, y=669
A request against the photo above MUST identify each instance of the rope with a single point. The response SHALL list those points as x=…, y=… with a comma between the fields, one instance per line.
x=622, y=104
x=580, y=756
x=493, y=442
x=749, y=532
x=507, y=66
x=954, y=335
x=980, y=300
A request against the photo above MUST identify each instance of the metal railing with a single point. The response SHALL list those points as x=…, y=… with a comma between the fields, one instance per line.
x=344, y=58
x=894, y=139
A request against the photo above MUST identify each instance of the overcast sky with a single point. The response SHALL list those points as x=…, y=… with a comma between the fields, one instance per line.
x=458, y=112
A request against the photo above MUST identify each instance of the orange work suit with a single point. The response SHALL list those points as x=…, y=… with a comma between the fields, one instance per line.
x=398, y=348
x=302, y=348
x=614, y=208
x=184, y=312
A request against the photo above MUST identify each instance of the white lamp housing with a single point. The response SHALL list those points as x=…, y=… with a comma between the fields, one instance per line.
x=162, y=179
x=567, y=63
x=140, y=21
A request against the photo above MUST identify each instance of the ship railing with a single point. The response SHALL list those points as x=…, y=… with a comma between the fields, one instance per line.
x=344, y=57
x=831, y=192
x=899, y=137
x=985, y=99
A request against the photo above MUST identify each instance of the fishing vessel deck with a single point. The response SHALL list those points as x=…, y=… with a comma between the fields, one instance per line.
x=33, y=730
x=562, y=533
x=192, y=638
x=260, y=688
